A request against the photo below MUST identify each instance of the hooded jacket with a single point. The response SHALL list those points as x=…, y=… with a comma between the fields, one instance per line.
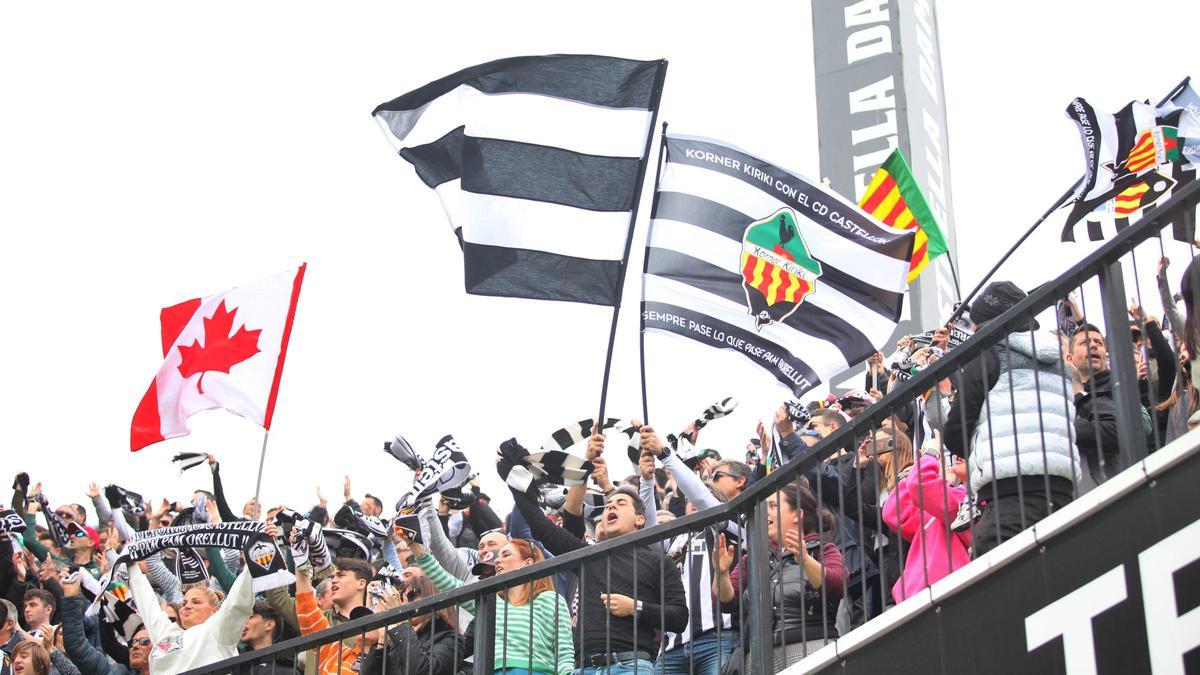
x=1014, y=409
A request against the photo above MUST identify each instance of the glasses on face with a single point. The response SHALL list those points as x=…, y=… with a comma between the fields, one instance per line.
x=65, y=515
x=141, y=642
x=716, y=475
x=80, y=534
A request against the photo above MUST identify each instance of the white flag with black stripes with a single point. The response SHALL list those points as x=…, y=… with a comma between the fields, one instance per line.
x=747, y=256
x=538, y=169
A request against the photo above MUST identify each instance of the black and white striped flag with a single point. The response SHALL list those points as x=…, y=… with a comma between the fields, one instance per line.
x=746, y=256
x=537, y=162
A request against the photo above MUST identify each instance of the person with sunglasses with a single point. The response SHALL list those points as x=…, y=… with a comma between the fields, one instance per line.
x=88, y=659
x=426, y=644
x=81, y=544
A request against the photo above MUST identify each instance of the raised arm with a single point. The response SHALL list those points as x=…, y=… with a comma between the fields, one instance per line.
x=153, y=616
x=556, y=540
x=234, y=611
x=441, y=548
x=227, y=514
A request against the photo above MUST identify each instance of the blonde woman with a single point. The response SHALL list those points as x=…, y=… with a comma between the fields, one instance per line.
x=209, y=627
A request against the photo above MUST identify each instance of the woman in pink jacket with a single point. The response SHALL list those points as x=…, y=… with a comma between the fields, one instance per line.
x=921, y=509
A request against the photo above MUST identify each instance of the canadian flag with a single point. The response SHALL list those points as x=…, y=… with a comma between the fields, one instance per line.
x=223, y=351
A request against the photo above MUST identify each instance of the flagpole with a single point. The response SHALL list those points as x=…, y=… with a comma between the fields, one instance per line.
x=262, y=458
x=1061, y=200
x=662, y=150
x=966, y=300
x=656, y=97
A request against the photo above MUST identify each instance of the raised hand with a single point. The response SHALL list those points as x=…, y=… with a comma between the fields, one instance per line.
x=650, y=442
x=793, y=540
x=646, y=465
x=595, y=444
x=600, y=475
x=723, y=561
x=346, y=487
x=784, y=423
x=93, y=490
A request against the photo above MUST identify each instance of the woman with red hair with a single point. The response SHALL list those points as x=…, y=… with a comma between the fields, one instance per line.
x=533, y=622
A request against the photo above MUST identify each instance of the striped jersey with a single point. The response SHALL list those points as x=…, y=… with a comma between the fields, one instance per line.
x=695, y=566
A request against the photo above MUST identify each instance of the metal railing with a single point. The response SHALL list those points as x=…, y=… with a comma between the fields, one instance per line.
x=768, y=627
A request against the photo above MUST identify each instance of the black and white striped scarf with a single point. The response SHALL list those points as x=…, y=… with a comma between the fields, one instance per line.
x=573, y=434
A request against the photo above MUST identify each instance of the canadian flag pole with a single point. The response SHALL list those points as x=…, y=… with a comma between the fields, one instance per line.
x=262, y=458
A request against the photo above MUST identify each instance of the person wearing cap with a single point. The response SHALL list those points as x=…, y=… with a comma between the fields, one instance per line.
x=1024, y=441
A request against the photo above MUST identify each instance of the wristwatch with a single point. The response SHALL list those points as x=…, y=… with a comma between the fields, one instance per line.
x=637, y=609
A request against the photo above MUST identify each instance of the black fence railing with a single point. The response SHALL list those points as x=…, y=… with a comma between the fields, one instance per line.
x=980, y=443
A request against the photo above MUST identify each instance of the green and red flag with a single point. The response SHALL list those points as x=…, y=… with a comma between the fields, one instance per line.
x=894, y=199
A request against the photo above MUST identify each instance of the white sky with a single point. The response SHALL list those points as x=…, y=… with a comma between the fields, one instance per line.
x=154, y=152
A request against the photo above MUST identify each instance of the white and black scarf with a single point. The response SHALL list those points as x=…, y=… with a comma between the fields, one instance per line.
x=446, y=469
x=11, y=521
x=120, y=498
x=573, y=434
x=59, y=530
x=263, y=557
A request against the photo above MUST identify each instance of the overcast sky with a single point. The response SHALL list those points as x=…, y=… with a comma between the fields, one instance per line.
x=155, y=152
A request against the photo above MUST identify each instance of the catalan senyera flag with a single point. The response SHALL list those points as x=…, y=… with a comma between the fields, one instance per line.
x=894, y=199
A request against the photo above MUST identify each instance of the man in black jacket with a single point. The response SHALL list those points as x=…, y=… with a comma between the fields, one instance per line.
x=607, y=615
x=1095, y=410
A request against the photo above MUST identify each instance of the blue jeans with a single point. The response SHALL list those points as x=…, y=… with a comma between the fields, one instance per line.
x=706, y=653
x=643, y=666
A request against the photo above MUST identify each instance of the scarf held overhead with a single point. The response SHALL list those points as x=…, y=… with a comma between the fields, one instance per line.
x=263, y=557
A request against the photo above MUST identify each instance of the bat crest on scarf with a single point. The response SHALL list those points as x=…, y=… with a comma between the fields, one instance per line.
x=242, y=535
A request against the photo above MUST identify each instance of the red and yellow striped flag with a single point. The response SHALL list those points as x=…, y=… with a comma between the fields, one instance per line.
x=894, y=199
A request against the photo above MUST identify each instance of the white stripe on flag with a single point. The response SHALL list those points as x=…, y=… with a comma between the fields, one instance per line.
x=871, y=267
x=821, y=356
x=555, y=122
x=725, y=253
x=537, y=226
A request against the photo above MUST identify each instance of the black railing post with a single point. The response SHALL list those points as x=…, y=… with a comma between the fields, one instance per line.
x=759, y=591
x=485, y=633
x=1130, y=433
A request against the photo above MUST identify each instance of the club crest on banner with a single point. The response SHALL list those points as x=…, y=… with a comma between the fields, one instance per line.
x=1145, y=192
x=777, y=271
x=262, y=553
x=1155, y=146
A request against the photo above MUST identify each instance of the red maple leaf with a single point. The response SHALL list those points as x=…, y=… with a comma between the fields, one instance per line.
x=221, y=351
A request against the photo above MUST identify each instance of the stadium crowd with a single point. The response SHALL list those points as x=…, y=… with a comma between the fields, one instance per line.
x=1018, y=433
